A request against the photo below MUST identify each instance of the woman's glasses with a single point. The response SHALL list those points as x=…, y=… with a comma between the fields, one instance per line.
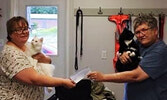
x=21, y=30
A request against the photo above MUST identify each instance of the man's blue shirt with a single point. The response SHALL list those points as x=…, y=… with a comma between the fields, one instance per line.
x=154, y=63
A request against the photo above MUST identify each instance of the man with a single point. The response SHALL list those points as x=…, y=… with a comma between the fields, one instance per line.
x=149, y=80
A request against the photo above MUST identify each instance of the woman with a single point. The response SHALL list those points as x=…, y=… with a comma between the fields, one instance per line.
x=19, y=80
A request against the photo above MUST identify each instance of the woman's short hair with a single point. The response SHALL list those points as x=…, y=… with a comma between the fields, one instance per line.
x=11, y=25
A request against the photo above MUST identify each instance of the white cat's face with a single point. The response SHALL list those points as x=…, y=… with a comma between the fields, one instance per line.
x=37, y=41
x=35, y=46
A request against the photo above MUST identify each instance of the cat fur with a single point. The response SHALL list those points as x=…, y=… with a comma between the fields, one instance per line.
x=34, y=47
x=128, y=45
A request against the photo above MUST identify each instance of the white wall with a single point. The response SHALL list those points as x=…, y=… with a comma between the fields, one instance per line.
x=4, y=5
x=99, y=36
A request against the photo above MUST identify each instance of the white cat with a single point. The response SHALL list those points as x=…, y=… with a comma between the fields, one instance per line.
x=33, y=48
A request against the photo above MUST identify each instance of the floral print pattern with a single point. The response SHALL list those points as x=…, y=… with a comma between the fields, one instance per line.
x=12, y=61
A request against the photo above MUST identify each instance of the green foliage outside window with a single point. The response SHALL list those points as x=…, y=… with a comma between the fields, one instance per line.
x=44, y=10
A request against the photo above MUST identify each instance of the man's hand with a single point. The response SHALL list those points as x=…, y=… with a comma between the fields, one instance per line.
x=125, y=58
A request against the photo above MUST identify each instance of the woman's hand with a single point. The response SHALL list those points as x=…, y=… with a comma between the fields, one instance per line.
x=68, y=83
x=42, y=58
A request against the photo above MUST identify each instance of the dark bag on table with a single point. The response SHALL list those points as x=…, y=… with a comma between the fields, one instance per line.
x=82, y=91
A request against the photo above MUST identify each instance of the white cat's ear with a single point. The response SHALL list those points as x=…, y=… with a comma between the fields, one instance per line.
x=35, y=36
x=41, y=39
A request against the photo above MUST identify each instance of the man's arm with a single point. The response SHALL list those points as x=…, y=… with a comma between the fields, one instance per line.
x=135, y=75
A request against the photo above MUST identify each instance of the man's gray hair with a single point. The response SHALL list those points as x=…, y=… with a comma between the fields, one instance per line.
x=148, y=19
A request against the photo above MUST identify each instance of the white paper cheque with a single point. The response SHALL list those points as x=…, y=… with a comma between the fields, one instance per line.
x=80, y=74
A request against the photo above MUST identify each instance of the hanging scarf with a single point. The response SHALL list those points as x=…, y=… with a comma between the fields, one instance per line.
x=161, y=26
x=79, y=14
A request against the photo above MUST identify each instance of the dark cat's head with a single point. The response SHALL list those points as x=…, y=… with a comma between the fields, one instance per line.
x=125, y=38
x=126, y=35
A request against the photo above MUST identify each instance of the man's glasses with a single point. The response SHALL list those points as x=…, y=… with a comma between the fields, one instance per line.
x=143, y=31
x=21, y=30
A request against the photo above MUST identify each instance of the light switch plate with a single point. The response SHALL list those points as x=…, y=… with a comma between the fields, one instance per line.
x=104, y=54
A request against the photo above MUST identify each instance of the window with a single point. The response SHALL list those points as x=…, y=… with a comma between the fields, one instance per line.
x=43, y=21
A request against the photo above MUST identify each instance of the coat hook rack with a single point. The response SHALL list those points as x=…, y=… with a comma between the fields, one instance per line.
x=105, y=12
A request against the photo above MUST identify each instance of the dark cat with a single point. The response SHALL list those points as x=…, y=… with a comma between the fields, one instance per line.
x=127, y=44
